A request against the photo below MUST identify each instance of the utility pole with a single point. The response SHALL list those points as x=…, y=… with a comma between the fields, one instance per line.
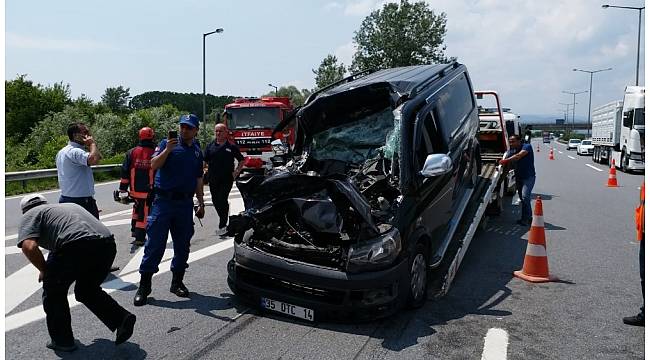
x=219, y=30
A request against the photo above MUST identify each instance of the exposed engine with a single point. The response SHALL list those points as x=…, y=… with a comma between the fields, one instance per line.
x=312, y=210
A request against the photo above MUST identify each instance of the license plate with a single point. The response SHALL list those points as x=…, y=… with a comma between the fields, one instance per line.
x=288, y=309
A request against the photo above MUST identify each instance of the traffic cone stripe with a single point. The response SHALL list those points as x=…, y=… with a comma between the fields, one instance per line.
x=538, y=221
x=536, y=236
x=535, y=250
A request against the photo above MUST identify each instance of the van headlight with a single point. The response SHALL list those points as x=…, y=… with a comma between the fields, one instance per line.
x=376, y=253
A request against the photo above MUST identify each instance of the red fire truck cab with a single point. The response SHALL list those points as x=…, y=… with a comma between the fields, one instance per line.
x=251, y=122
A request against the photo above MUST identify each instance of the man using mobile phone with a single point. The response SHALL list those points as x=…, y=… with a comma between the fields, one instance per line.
x=73, y=168
x=178, y=163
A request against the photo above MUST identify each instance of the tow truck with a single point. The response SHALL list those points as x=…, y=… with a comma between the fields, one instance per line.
x=251, y=122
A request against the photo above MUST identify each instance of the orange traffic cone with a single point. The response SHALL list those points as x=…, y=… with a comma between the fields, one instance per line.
x=611, y=181
x=550, y=155
x=535, y=262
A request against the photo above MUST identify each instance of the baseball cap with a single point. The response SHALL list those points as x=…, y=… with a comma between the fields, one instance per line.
x=189, y=119
x=31, y=200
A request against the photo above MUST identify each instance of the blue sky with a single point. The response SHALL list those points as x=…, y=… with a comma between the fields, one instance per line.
x=524, y=49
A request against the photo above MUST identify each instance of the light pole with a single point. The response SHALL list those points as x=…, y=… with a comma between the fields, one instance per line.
x=638, y=39
x=276, y=89
x=219, y=30
x=573, y=120
x=566, y=116
x=591, y=79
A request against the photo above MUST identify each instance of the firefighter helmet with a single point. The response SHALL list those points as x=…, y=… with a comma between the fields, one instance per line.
x=146, y=133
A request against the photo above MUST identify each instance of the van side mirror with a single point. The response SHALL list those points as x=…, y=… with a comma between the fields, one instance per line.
x=436, y=165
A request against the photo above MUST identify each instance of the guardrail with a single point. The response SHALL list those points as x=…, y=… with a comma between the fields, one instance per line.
x=46, y=173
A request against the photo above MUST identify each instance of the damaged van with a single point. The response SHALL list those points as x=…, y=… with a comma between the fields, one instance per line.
x=366, y=205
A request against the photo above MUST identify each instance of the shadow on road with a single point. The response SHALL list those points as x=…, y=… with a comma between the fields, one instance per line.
x=202, y=304
x=105, y=349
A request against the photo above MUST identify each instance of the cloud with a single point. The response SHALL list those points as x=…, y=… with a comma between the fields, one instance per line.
x=13, y=40
x=345, y=52
x=362, y=7
x=331, y=6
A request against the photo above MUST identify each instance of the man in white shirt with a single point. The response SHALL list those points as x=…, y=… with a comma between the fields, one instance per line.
x=73, y=168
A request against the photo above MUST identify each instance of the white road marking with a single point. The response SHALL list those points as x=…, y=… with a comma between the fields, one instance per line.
x=35, y=313
x=571, y=157
x=23, y=283
x=593, y=167
x=560, y=152
x=495, y=346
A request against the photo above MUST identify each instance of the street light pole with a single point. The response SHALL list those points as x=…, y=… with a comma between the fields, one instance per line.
x=566, y=115
x=591, y=79
x=573, y=120
x=276, y=89
x=638, y=39
x=219, y=30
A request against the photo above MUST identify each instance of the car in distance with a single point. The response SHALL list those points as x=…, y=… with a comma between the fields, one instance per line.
x=585, y=148
x=572, y=144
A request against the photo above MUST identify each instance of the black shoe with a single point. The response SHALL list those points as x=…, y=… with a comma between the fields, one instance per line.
x=57, y=347
x=138, y=242
x=114, y=268
x=125, y=330
x=636, y=320
x=144, y=290
x=177, y=286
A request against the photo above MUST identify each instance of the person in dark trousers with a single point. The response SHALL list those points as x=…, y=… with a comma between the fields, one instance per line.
x=137, y=180
x=82, y=250
x=73, y=168
x=639, y=319
x=524, y=163
x=220, y=156
x=178, y=163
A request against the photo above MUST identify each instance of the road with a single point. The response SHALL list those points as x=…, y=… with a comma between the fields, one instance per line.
x=590, y=244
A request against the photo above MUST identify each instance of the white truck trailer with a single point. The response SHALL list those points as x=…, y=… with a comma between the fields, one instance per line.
x=618, y=130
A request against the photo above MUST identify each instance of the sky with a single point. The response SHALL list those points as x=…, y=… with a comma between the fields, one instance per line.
x=524, y=49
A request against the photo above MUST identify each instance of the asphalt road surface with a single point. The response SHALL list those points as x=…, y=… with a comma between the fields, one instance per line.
x=487, y=314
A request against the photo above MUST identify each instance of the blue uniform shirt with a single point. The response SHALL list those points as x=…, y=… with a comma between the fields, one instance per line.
x=525, y=167
x=181, y=169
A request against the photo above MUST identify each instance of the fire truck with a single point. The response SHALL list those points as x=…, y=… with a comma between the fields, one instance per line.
x=251, y=122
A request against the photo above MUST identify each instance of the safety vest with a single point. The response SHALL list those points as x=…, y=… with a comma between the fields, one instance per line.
x=137, y=173
x=640, y=215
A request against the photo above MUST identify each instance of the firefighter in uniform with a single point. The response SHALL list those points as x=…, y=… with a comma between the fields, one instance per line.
x=639, y=319
x=137, y=179
x=179, y=165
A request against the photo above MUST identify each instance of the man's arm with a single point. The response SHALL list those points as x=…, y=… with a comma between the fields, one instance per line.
x=159, y=160
x=125, y=176
x=199, y=197
x=34, y=255
x=93, y=156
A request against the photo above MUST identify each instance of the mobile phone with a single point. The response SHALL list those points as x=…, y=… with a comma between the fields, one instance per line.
x=173, y=134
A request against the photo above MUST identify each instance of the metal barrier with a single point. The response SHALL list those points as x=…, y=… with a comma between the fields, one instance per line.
x=46, y=173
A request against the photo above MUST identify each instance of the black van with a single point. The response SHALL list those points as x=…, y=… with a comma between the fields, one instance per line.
x=383, y=167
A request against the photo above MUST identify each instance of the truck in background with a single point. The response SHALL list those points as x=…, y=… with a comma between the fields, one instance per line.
x=251, y=122
x=618, y=130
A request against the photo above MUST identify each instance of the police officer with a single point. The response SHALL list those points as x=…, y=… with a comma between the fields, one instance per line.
x=138, y=176
x=179, y=165
x=220, y=157
x=82, y=250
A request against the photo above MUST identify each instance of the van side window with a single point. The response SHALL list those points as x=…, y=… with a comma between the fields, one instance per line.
x=429, y=141
x=627, y=118
x=452, y=104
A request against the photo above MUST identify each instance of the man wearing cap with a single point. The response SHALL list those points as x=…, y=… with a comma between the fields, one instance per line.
x=137, y=179
x=179, y=166
x=73, y=168
x=521, y=155
x=82, y=250
x=220, y=156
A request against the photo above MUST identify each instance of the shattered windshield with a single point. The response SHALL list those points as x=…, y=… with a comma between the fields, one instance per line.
x=356, y=141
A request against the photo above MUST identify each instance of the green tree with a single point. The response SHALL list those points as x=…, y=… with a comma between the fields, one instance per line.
x=27, y=103
x=117, y=99
x=297, y=97
x=400, y=35
x=51, y=127
x=329, y=71
x=186, y=103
